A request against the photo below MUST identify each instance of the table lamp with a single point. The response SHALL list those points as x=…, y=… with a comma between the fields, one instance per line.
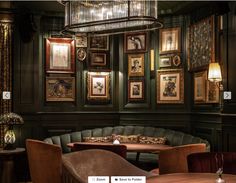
x=10, y=119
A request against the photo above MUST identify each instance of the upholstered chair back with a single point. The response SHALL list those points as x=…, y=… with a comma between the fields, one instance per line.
x=174, y=160
x=45, y=161
x=77, y=166
x=210, y=162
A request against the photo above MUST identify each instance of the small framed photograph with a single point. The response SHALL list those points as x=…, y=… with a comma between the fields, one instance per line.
x=165, y=61
x=60, y=55
x=135, y=90
x=176, y=61
x=200, y=79
x=98, y=86
x=60, y=89
x=170, y=86
x=135, y=42
x=81, y=54
x=136, y=65
x=81, y=41
x=170, y=40
x=98, y=59
x=99, y=42
x=212, y=92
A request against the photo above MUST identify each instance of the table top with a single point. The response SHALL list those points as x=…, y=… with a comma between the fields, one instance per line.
x=190, y=178
x=142, y=148
x=13, y=151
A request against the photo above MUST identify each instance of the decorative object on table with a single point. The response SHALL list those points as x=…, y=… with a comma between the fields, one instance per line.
x=99, y=43
x=60, y=55
x=136, y=90
x=81, y=54
x=110, y=17
x=81, y=41
x=169, y=40
x=60, y=88
x=200, y=79
x=219, y=173
x=135, y=42
x=136, y=65
x=116, y=141
x=10, y=119
x=201, y=50
x=98, y=60
x=98, y=85
x=170, y=86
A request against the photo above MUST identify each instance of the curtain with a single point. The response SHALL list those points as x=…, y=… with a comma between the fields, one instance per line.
x=5, y=69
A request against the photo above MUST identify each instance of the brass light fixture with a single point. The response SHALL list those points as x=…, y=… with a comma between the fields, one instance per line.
x=10, y=119
x=110, y=17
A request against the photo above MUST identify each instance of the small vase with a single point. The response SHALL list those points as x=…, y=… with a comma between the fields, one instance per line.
x=220, y=180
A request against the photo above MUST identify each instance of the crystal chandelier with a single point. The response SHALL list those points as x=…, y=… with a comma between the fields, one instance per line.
x=110, y=17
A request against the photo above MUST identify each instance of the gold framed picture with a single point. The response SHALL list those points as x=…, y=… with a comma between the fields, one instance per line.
x=170, y=40
x=135, y=90
x=170, y=86
x=81, y=41
x=136, y=65
x=200, y=79
x=98, y=86
x=60, y=89
x=99, y=43
x=212, y=92
x=135, y=42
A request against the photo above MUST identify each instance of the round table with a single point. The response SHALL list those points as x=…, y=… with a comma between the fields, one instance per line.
x=190, y=178
x=7, y=158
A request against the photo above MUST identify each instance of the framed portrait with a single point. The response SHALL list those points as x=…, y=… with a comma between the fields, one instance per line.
x=212, y=92
x=170, y=86
x=200, y=79
x=169, y=40
x=60, y=55
x=201, y=44
x=165, y=61
x=98, y=86
x=176, y=61
x=99, y=42
x=135, y=90
x=135, y=42
x=98, y=59
x=81, y=41
x=60, y=89
x=81, y=54
x=136, y=65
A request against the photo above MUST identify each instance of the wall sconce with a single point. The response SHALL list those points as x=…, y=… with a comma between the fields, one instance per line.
x=10, y=119
x=152, y=63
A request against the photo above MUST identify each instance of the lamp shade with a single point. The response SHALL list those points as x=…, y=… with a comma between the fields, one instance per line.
x=214, y=72
x=11, y=119
x=109, y=17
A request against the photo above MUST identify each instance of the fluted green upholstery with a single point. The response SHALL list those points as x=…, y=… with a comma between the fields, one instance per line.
x=174, y=138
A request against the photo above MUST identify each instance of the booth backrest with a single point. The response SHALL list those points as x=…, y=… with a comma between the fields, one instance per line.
x=174, y=138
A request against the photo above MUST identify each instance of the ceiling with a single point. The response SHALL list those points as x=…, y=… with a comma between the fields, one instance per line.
x=164, y=7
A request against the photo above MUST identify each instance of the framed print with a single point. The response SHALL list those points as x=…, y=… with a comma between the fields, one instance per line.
x=135, y=42
x=165, y=61
x=99, y=42
x=98, y=59
x=60, y=55
x=60, y=89
x=169, y=40
x=212, y=92
x=81, y=54
x=200, y=79
x=136, y=65
x=176, y=61
x=201, y=44
x=81, y=41
x=170, y=86
x=135, y=90
x=98, y=86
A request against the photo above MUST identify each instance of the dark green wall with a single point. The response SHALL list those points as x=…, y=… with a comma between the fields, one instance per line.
x=43, y=119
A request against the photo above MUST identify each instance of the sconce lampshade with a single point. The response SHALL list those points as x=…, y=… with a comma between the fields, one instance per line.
x=214, y=72
x=110, y=17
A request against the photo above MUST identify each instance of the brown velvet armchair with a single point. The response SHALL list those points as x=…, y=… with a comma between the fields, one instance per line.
x=45, y=161
x=77, y=166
